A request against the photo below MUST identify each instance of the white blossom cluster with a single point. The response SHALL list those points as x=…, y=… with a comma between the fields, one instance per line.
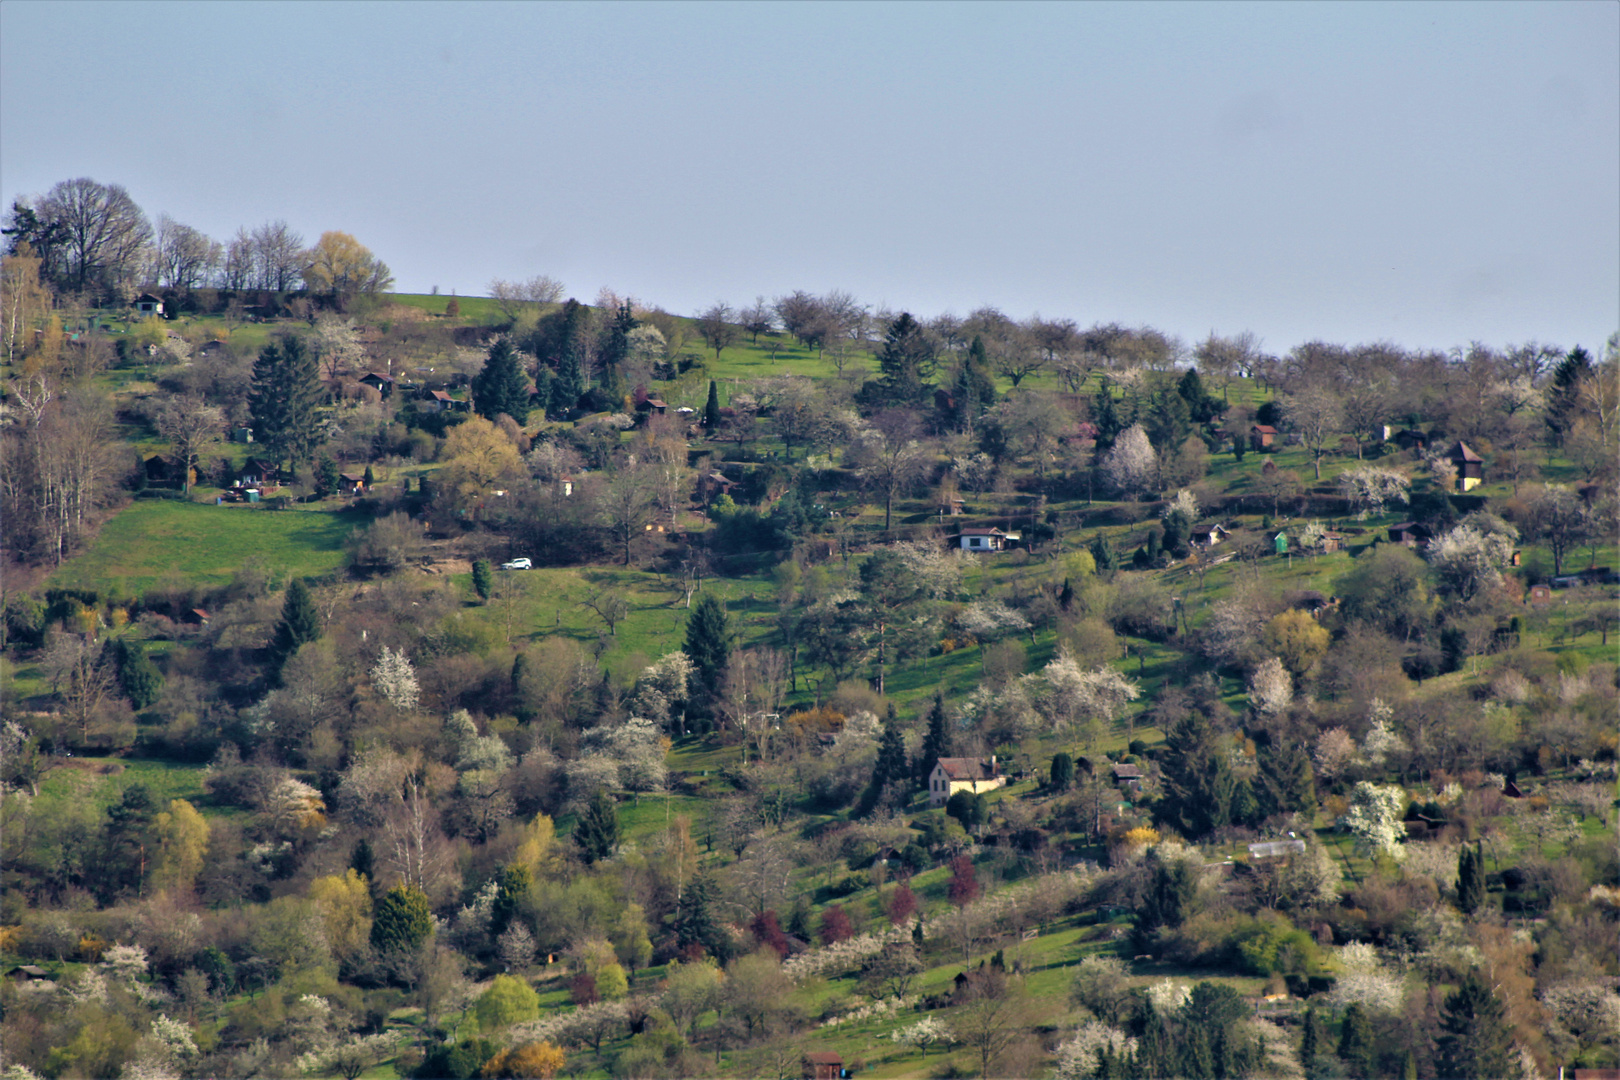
x=565, y=1027
x=987, y=620
x=924, y=1033
x=395, y=678
x=1587, y=1007
x=1168, y=995
x=1375, y=991
x=870, y=1010
x=1375, y=817
x=1077, y=1058
x=841, y=956
x=1066, y=693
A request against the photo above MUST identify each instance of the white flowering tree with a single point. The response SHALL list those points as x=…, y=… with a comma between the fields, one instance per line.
x=1371, y=489
x=1468, y=561
x=661, y=690
x=1271, y=688
x=395, y=678
x=1381, y=741
x=988, y=620
x=1374, y=818
x=1185, y=504
x=1131, y=466
x=1067, y=693
x=1078, y=1057
x=929, y=1031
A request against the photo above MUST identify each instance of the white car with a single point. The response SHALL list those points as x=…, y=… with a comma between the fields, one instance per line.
x=517, y=564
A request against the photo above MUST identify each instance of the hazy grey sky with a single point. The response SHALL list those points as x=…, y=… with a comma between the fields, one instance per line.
x=1426, y=174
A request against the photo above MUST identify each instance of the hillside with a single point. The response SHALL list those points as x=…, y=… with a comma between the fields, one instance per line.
x=307, y=775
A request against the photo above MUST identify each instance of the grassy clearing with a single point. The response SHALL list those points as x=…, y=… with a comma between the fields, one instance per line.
x=150, y=541
x=101, y=782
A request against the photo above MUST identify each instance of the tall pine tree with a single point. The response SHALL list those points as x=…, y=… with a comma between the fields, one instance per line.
x=1475, y=1041
x=597, y=833
x=569, y=385
x=1470, y=879
x=708, y=646
x=1310, y=1044
x=937, y=743
x=501, y=387
x=282, y=401
x=905, y=363
x=1198, y=784
x=711, y=408
x=300, y=623
x=1287, y=783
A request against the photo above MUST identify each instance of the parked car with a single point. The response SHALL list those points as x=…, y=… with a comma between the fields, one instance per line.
x=517, y=564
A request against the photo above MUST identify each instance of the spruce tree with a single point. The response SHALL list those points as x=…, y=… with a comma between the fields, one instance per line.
x=937, y=742
x=1475, y=1039
x=1470, y=879
x=138, y=677
x=597, y=833
x=483, y=580
x=1102, y=553
x=300, y=624
x=501, y=386
x=363, y=860
x=905, y=363
x=694, y=923
x=890, y=766
x=708, y=646
x=1356, y=1047
x=327, y=478
x=1062, y=771
x=1195, y=778
x=1287, y=783
x=403, y=920
x=282, y=401
x=569, y=385
x=1310, y=1044
x=711, y=408
x=511, y=891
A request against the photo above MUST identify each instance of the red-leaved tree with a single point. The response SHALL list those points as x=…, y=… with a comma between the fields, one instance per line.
x=902, y=904
x=964, y=887
x=835, y=925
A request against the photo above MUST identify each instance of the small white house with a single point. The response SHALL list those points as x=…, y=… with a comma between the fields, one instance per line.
x=986, y=539
x=953, y=774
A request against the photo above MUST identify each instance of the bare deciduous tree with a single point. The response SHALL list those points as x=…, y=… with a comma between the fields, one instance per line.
x=191, y=426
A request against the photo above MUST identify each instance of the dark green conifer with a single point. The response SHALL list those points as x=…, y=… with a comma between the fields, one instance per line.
x=711, y=408
x=501, y=387
x=708, y=646
x=1470, y=879
x=597, y=833
x=1476, y=1040
x=300, y=624
x=402, y=921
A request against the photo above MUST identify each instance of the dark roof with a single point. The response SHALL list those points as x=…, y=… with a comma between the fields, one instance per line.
x=983, y=532
x=967, y=768
x=354, y=477
x=1462, y=452
x=824, y=1057
x=1127, y=772
x=148, y=298
x=374, y=375
x=254, y=465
